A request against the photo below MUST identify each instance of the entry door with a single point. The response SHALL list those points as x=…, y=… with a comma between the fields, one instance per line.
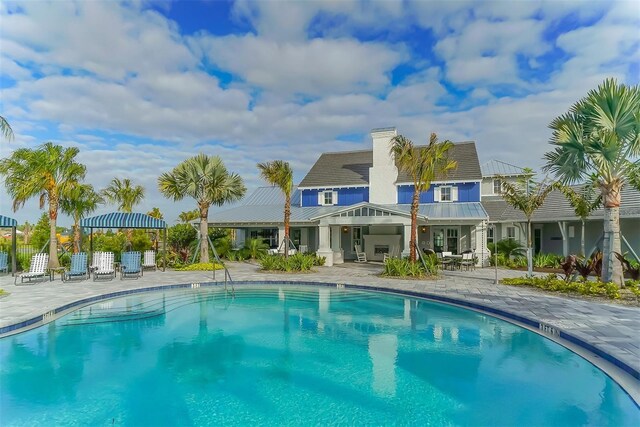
x=537, y=240
x=438, y=240
x=445, y=239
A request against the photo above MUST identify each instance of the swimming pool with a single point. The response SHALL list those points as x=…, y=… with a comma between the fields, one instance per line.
x=287, y=355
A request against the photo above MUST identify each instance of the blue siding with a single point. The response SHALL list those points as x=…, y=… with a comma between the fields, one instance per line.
x=346, y=196
x=467, y=192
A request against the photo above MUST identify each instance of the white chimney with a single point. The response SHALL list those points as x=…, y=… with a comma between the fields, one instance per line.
x=383, y=174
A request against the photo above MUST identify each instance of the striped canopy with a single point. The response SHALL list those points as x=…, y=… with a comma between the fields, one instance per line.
x=123, y=220
x=5, y=221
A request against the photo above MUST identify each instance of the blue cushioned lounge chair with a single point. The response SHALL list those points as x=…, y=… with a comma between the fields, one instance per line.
x=78, y=268
x=4, y=262
x=130, y=265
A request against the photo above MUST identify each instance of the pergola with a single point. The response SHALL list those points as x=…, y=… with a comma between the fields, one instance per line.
x=127, y=220
x=7, y=222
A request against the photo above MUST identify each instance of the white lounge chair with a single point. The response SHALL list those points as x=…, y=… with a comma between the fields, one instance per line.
x=149, y=260
x=360, y=256
x=104, y=266
x=37, y=270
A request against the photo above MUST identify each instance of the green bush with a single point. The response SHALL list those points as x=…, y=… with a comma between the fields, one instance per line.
x=542, y=260
x=403, y=267
x=201, y=266
x=552, y=283
x=255, y=248
x=293, y=263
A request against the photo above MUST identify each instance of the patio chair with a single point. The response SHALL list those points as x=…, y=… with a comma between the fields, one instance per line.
x=446, y=262
x=4, y=262
x=78, y=268
x=360, y=256
x=103, y=262
x=37, y=270
x=468, y=260
x=149, y=260
x=130, y=265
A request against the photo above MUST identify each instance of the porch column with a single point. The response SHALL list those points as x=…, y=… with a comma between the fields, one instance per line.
x=479, y=244
x=304, y=238
x=565, y=240
x=335, y=244
x=323, y=245
x=281, y=237
x=406, y=249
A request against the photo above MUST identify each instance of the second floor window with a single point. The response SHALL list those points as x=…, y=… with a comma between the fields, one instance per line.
x=497, y=186
x=445, y=194
x=328, y=198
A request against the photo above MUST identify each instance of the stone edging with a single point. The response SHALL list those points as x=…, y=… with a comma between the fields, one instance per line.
x=547, y=331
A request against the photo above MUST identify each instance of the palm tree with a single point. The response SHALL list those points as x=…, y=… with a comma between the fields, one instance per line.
x=583, y=203
x=156, y=213
x=26, y=232
x=50, y=172
x=206, y=179
x=279, y=174
x=423, y=164
x=126, y=196
x=79, y=202
x=188, y=216
x=600, y=136
x=527, y=196
x=5, y=129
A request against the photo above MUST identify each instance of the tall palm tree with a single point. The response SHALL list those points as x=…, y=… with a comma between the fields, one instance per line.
x=50, y=172
x=527, y=196
x=424, y=164
x=78, y=203
x=126, y=196
x=5, y=129
x=207, y=180
x=279, y=174
x=188, y=216
x=600, y=136
x=157, y=214
x=583, y=202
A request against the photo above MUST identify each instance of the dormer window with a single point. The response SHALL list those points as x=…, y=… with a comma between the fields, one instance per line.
x=445, y=193
x=328, y=198
x=497, y=186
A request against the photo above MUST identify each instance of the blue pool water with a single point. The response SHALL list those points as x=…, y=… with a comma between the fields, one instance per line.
x=296, y=356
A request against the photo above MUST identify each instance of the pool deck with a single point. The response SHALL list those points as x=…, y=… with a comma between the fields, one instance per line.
x=610, y=328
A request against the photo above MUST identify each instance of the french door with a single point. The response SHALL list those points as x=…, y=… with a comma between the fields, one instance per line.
x=446, y=239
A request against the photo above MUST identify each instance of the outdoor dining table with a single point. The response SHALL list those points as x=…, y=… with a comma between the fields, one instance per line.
x=455, y=260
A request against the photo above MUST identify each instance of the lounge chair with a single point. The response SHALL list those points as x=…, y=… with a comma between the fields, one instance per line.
x=360, y=256
x=130, y=265
x=4, y=262
x=37, y=270
x=78, y=268
x=149, y=260
x=103, y=266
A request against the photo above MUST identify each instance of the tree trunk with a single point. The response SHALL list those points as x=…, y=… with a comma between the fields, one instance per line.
x=53, y=240
x=611, y=267
x=76, y=237
x=204, y=233
x=287, y=219
x=414, y=225
x=129, y=234
x=583, y=252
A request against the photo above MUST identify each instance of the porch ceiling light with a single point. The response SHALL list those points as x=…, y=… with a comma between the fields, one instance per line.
x=345, y=229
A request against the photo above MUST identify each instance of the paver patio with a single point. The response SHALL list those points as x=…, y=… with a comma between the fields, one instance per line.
x=609, y=327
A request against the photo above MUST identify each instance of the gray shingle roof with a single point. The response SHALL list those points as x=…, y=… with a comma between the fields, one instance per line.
x=497, y=167
x=557, y=208
x=351, y=168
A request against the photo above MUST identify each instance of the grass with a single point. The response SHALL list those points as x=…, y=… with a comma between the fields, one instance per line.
x=201, y=266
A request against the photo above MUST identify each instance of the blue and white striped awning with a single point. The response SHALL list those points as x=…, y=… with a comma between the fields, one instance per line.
x=5, y=221
x=123, y=220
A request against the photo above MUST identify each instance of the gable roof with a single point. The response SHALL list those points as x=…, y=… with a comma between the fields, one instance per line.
x=497, y=167
x=351, y=168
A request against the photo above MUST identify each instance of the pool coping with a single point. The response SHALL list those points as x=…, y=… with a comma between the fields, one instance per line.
x=552, y=332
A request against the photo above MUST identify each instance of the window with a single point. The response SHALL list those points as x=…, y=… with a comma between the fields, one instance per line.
x=490, y=234
x=497, y=186
x=511, y=233
x=328, y=198
x=445, y=194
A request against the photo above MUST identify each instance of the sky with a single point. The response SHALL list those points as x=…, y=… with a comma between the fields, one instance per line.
x=139, y=86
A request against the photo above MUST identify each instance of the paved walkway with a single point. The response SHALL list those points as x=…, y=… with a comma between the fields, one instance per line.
x=611, y=328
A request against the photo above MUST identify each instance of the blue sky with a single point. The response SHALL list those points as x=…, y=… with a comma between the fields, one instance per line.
x=142, y=85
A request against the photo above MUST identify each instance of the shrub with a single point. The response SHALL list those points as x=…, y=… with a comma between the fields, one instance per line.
x=255, y=248
x=403, y=267
x=628, y=268
x=201, y=266
x=552, y=283
x=298, y=262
